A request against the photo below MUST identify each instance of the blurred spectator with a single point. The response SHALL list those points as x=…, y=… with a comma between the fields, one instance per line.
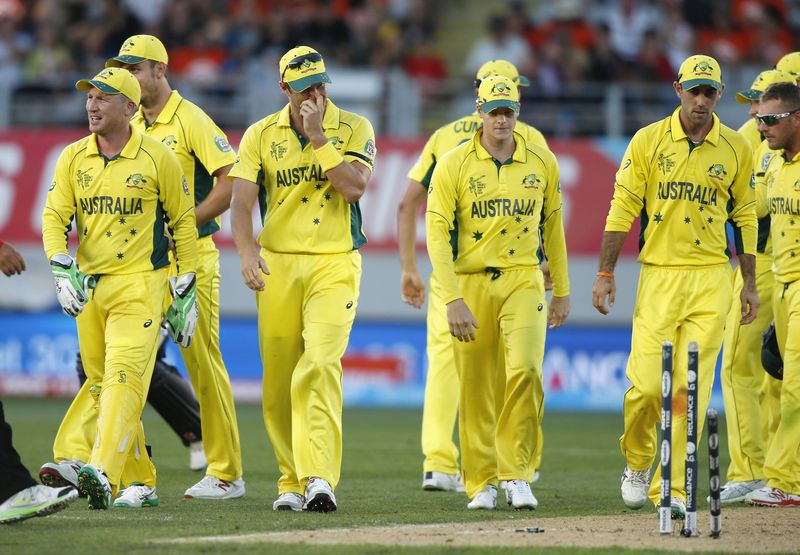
x=652, y=63
x=501, y=44
x=14, y=44
x=724, y=39
x=678, y=34
x=202, y=60
x=426, y=67
x=627, y=21
x=604, y=64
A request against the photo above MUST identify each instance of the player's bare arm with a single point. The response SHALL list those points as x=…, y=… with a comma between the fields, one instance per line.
x=461, y=321
x=11, y=262
x=604, y=288
x=558, y=311
x=749, y=295
x=218, y=200
x=349, y=179
x=412, y=287
x=244, y=196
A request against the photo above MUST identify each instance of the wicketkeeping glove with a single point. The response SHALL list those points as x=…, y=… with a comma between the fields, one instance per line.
x=181, y=318
x=72, y=285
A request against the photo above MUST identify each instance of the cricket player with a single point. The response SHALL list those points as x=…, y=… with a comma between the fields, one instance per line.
x=779, y=121
x=748, y=415
x=685, y=176
x=440, y=468
x=492, y=194
x=120, y=187
x=308, y=165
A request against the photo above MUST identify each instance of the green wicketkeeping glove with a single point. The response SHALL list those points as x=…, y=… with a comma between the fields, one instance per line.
x=72, y=285
x=181, y=318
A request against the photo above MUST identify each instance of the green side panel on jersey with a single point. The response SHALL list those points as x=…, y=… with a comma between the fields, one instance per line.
x=160, y=255
x=645, y=219
x=262, y=195
x=454, y=239
x=203, y=183
x=763, y=233
x=356, y=233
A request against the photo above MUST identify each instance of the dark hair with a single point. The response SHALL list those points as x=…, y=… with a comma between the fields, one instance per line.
x=787, y=94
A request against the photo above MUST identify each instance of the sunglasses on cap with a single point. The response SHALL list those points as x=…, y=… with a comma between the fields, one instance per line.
x=772, y=119
x=296, y=63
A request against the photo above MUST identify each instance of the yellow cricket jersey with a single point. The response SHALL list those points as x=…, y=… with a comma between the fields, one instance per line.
x=301, y=210
x=783, y=198
x=495, y=210
x=453, y=134
x=761, y=157
x=201, y=147
x=749, y=130
x=685, y=194
x=120, y=206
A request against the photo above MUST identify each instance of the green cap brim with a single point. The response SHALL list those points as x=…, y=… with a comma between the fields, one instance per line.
x=299, y=85
x=495, y=104
x=124, y=59
x=523, y=81
x=745, y=97
x=86, y=84
x=692, y=83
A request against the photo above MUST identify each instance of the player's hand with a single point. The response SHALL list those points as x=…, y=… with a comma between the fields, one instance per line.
x=182, y=314
x=548, y=281
x=461, y=321
x=558, y=311
x=252, y=268
x=603, y=288
x=311, y=111
x=412, y=289
x=750, y=303
x=72, y=285
x=11, y=262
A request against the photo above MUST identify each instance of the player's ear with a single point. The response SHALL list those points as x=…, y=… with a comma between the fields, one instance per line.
x=677, y=88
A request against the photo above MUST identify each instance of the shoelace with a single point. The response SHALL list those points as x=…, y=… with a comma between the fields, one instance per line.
x=519, y=487
x=639, y=477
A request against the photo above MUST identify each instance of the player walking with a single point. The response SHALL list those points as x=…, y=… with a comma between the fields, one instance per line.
x=308, y=165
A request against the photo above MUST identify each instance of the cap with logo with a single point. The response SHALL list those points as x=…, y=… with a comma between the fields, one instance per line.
x=790, y=63
x=501, y=67
x=113, y=80
x=302, y=67
x=700, y=70
x=498, y=91
x=762, y=81
x=139, y=48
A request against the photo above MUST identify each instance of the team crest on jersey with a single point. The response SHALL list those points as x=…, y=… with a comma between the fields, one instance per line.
x=277, y=150
x=135, y=181
x=796, y=186
x=369, y=148
x=665, y=163
x=83, y=178
x=170, y=141
x=185, y=185
x=476, y=186
x=530, y=181
x=765, y=161
x=222, y=144
x=717, y=171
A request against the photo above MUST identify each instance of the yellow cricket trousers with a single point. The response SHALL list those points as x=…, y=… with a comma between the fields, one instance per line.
x=118, y=338
x=511, y=310
x=782, y=464
x=678, y=304
x=305, y=315
x=745, y=384
x=440, y=406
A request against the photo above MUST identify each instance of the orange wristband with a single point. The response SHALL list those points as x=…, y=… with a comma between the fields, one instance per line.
x=605, y=275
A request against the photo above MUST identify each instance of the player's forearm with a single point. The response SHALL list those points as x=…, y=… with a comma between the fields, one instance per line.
x=244, y=195
x=441, y=255
x=349, y=181
x=747, y=264
x=555, y=245
x=217, y=201
x=407, y=225
x=610, y=249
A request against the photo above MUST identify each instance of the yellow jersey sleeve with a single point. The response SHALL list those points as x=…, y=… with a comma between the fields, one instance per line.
x=247, y=164
x=178, y=203
x=208, y=143
x=743, y=202
x=422, y=170
x=629, y=187
x=60, y=206
x=440, y=220
x=555, y=243
x=361, y=144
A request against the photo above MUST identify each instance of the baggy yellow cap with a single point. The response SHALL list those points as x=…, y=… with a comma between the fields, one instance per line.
x=501, y=67
x=700, y=70
x=113, y=81
x=498, y=91
x=139, y=48
x=762, y=81
x=301, y=67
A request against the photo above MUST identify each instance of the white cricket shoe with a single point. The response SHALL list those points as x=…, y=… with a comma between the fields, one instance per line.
x=289, y=502
x=735, y=492
x=519, y=495
x=634, y=487
x=136, y=496
x=60, y=474
x=772, y=497
x=319, y=496
x=36, y=501
x=197, y=456
x=535, y=477
x=486, y=499
x=440, y=481
x=94, y=484
x=211, y=487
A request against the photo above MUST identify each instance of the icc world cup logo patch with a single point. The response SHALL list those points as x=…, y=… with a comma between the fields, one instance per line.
x=476, y=186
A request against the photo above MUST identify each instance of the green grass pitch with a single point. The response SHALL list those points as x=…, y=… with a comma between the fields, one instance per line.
x=380, y=485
